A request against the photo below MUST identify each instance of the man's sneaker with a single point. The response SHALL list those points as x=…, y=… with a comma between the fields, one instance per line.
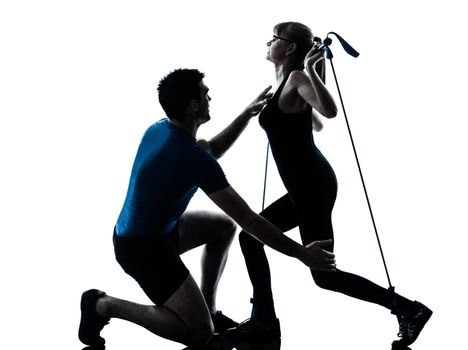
x=252, y=331
x=412, y=325
x=222, y=322
x=91, y=323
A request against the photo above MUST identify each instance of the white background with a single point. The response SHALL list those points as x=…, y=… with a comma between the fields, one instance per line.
x=78, y=88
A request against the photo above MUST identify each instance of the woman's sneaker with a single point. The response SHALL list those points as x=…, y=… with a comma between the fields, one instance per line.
x=252, y=331
x=412, y=325
x=221, y=322
x=91, y=323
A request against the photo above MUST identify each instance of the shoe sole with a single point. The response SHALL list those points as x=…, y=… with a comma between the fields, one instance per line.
x=239, y=340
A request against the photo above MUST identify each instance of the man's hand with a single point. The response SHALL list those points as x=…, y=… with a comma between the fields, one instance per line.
x=257, y=105
x=317, y=258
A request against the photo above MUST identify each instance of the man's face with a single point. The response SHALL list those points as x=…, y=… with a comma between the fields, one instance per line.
x=203, y=114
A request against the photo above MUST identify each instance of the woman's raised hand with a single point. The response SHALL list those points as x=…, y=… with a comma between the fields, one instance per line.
x=314, y=55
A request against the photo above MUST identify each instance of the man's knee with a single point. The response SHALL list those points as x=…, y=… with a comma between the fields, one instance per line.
x=201, y=332
x=230, y=228
x=226, y=232
x=188, y=304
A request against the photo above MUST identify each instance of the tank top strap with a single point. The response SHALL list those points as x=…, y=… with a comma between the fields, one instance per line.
x=281, y=86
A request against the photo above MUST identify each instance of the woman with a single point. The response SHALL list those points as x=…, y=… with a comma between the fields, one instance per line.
x=288, y=119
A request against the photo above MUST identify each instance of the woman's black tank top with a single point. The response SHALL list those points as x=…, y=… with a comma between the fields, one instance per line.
x=292, y=145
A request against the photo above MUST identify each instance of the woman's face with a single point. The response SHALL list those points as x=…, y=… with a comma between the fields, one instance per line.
x=277, y=48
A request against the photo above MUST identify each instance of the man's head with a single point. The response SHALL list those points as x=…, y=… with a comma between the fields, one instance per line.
x=183, y=90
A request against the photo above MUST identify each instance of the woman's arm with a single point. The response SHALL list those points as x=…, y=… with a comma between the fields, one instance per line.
x=316, y=122
x=311, y=88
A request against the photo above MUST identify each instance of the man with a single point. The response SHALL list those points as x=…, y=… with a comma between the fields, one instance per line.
x=153, y=228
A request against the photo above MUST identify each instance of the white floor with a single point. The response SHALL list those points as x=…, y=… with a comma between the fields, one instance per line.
x=78, y=90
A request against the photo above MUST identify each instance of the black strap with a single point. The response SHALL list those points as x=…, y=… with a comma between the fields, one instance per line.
x=266, y=173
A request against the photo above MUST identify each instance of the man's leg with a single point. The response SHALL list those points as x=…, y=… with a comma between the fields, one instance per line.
x=183, y=318
x=181, y=313
x=217, y=232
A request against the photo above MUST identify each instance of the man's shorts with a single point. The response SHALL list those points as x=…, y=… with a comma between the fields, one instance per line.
x=154, y=262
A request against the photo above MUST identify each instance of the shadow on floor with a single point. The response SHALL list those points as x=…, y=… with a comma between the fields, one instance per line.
x=221, y=343
x=276, y=345
x=224, y=345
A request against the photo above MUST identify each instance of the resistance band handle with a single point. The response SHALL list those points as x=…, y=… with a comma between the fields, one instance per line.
x=346, y=46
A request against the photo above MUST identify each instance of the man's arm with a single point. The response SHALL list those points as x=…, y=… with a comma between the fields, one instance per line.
x=219, y=144
x=312, y=255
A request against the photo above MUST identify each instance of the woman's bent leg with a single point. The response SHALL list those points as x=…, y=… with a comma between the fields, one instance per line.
x=281, y=213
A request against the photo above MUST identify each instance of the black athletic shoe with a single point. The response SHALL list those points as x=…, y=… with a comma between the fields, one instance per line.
x=252, y=331
x=222, y=322
x=91, y=323
x=411, y=325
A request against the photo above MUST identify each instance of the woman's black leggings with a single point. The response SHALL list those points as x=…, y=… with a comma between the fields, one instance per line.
x=314, y=223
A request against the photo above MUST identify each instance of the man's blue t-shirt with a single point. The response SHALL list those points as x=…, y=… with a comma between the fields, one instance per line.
x=169, y=167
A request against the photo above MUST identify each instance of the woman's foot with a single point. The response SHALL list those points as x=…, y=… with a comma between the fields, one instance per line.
x=221, y=322
x=411, y=325
x=253, y=331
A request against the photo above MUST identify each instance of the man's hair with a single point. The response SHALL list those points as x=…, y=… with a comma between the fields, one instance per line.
x=177, y=89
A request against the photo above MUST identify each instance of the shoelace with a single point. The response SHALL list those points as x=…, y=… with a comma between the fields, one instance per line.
x=407, y=328
x=403, y=329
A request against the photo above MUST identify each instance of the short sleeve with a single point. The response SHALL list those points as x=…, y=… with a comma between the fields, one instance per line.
x=208, y=174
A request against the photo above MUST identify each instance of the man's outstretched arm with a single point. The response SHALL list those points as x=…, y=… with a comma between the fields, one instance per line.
x=220, y=143
x=312, y=255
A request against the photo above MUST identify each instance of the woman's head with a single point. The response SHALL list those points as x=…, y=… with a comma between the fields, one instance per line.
x=297, y=33
x=303, y=40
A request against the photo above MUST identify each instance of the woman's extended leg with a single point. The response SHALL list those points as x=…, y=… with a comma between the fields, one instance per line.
x=316, y=224
x=412, y=315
